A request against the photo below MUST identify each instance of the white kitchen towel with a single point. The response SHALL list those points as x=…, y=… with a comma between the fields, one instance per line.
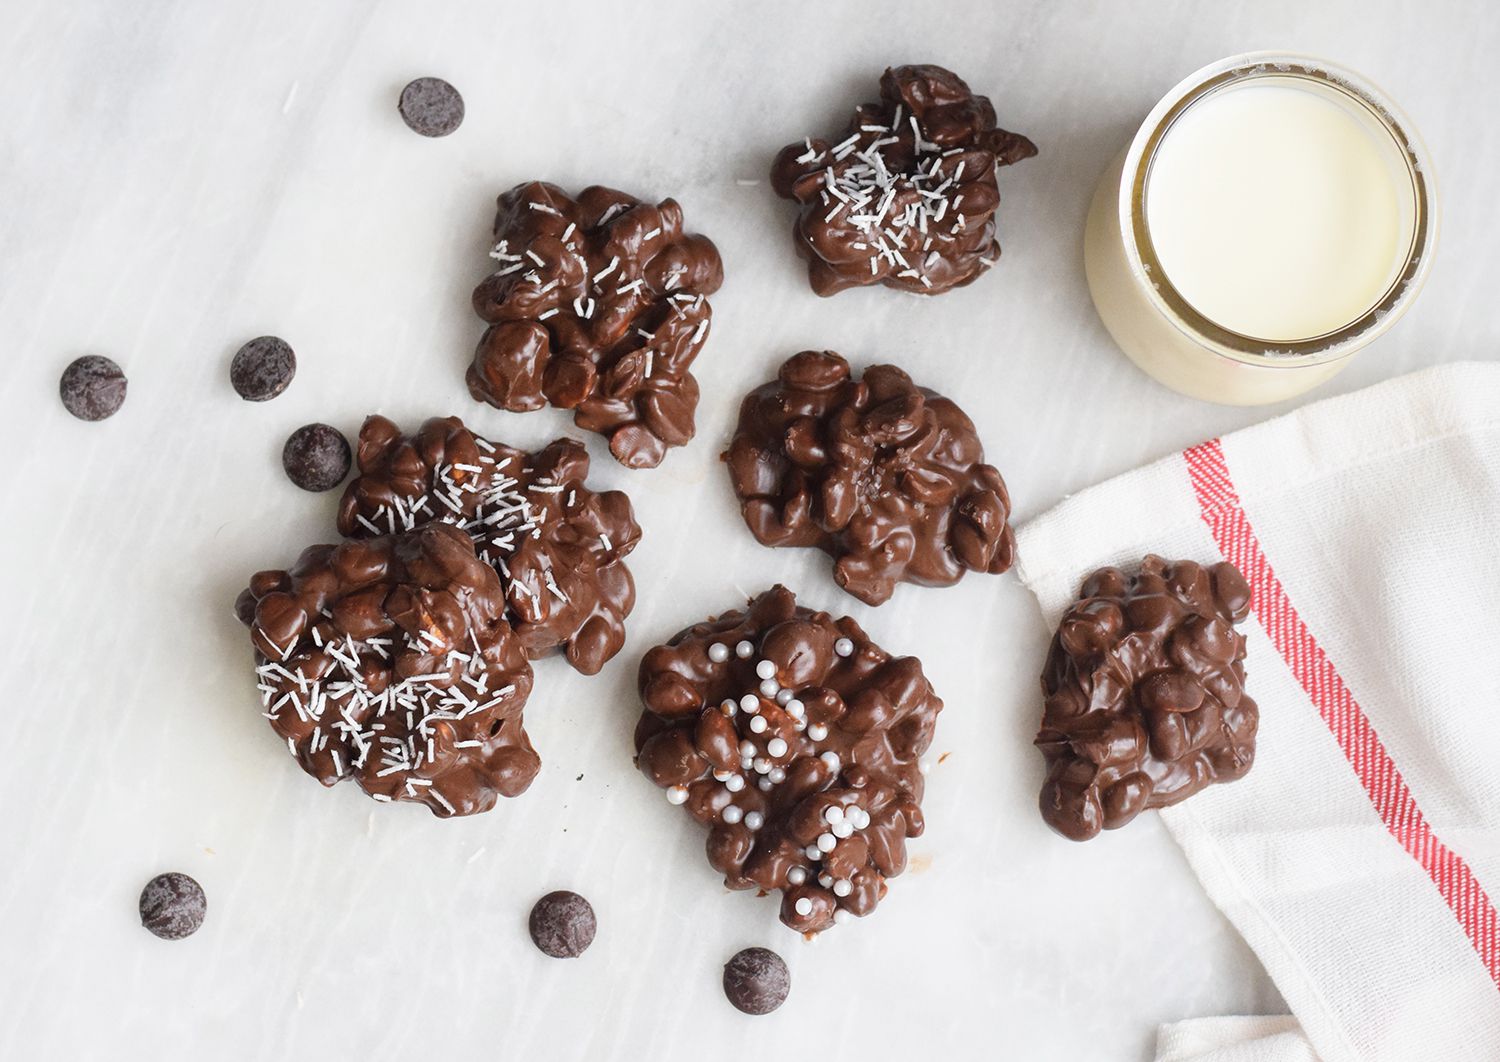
x=1268, y=1039
x=1360, y=857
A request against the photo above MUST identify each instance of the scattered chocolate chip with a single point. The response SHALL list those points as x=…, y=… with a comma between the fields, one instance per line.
x=432, y=107
x=262, y=369
x=563, y=925
x=92, y=387
x=316, y=457
x=173, y=906
x=757, y=981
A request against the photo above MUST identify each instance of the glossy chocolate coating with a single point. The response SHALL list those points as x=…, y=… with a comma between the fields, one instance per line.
x=558, y=546
x=870, y=714
x=906, y=195
x=431, y=710
x=1145, y=694
x=886, y=477
x=599, y=306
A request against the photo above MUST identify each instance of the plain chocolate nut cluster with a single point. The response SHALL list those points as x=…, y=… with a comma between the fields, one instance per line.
x=798, y=742
x=390, y=661
x=886, y=477
x=906, y=195
x=558, y=547
x=1145, y=694
x=599, y=306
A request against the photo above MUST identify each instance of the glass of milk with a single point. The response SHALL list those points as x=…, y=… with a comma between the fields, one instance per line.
x=1273, y=215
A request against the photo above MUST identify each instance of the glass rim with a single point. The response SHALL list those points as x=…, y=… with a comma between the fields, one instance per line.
x=1141, y=252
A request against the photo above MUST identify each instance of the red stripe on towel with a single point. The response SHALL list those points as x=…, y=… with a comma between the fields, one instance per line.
x=1377, y=772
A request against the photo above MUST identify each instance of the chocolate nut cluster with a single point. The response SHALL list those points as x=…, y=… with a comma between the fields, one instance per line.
x=558, y=547
x=886, y=477
x=798, y=742
x=390, y=661
x=906, y=195
x=1145, y=694
x=599, y=306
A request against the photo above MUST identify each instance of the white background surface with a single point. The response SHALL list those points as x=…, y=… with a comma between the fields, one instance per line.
x=178, y=177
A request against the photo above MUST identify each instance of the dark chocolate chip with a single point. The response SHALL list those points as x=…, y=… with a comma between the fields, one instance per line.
x=92, y=387
x=316, y=457
x=173, y=906
x=563, y=925
x=262, y=369
x=757, y=981
x=432, y=107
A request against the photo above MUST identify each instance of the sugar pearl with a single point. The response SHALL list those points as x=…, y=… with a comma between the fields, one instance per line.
x=747, y=747
x=754, y=820
x=723, y=776
x=750, y=703
x=825, y=880
x=844, y=647
x=834, y=815
x=762, y=765
x=758, y=724
x=827, y=842
x=746, y=761
x=831, y=759
x=784, y=697
x=677, y=794
x=770, y=688
x=777, y=775
x=864, y=819
x=718, y=652
x=843, y=829
x=732, y=814
x=744, y=650
x=734, y=783
x=795, y=708
x=925, y=766
x=813, y=852
x=765, y=785
x=841, y=916
x=796, y=875
x=729, y=707
x=843, y=887
x=803, y=906
x=776, y=747
x=817, y=731
x=765, y=669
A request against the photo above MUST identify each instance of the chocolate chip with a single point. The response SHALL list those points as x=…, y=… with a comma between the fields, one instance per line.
x=173, y=906
x=262, y=369
x=757, y=981
x=316, y=457
x=92, y=387
x=562, y=924
x=432, y=107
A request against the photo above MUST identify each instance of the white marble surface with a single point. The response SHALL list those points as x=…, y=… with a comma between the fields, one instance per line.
x=178, y=177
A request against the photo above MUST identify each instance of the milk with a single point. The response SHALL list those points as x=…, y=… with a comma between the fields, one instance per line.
x=1276, y=210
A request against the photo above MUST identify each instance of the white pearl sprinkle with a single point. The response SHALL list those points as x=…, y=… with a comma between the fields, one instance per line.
x=827, y=842
x=762, y=765
x=734, y=783
x=813, y=852
x=777, y=775
x=803, y=906
x=754, y=820
x=747, y=748
x=723, y=776
x=843, y=887
x=750, y=703
x=758, y=724
x=844, y=647
x=841, y=916
x=825, y=880
x=834, y=815
x=776, y=747
x=744, y=650
x=746, y=761
x=765, y=785
x=765, y=669
x=796, y=875
x=817, y=731
x=677, y=794
x=732, y=814
x=795, y=708
x=831, y=759
x=718, y=652
x=769, y=688
x=864, y=819
x=843, y=829
x=784, y=697
x=799, y=724
x=924, y=766
x=729, y=707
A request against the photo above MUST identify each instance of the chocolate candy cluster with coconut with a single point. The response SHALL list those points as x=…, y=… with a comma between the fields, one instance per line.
x=798, y=742
x=1145, y=694
x=906, y=195
x=885, y=476
x=389, y=661
x=599, y=306
x=558, y=546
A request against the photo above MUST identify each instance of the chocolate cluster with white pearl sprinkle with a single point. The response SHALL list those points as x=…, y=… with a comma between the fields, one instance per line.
x=799, y=743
